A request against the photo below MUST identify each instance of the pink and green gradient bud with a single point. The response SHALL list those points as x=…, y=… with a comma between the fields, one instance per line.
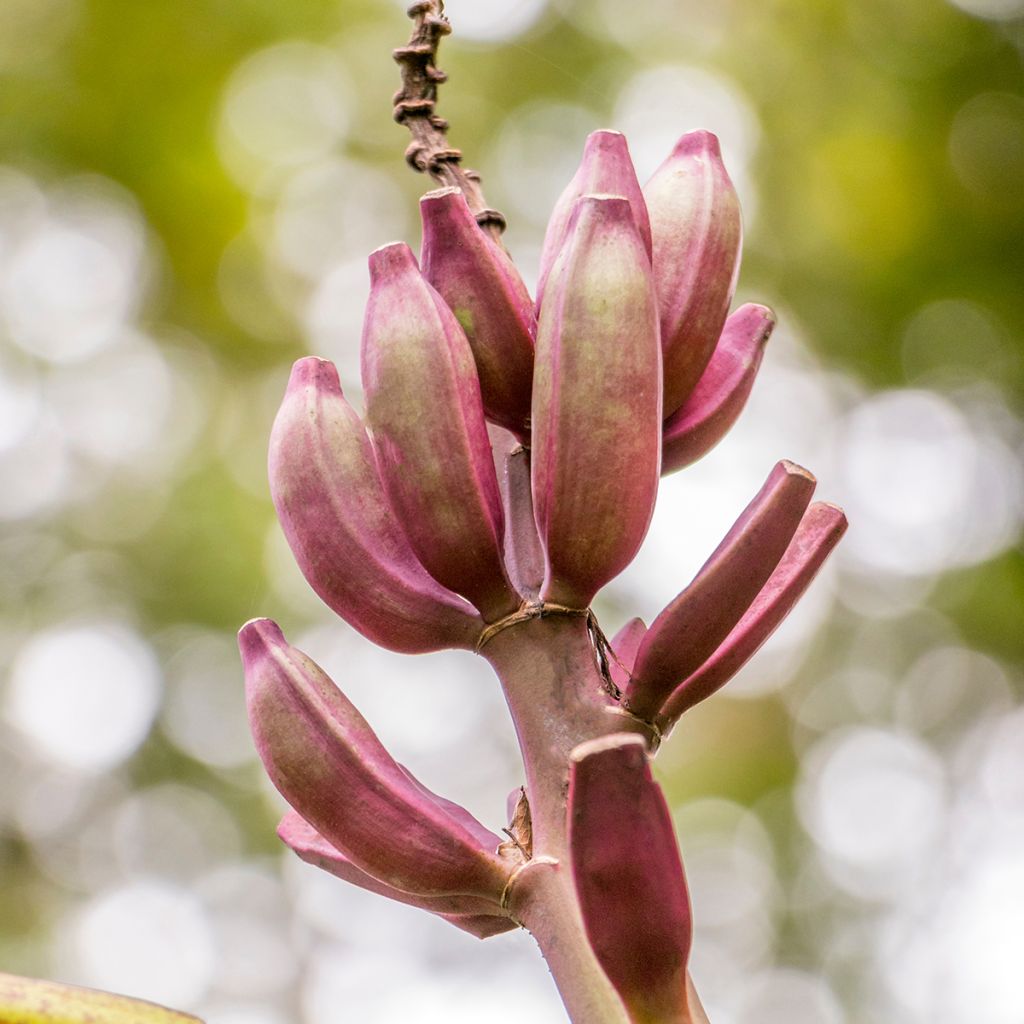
x=606, y=169
x=342, y=529
x=696, y=236
x=425, y=412
x=596, y=403
x=483, y=289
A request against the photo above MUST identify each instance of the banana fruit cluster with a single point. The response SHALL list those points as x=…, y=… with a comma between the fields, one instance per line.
x=506, y=467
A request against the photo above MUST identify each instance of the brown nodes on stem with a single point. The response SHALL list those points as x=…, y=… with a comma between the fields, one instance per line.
x=430, y=152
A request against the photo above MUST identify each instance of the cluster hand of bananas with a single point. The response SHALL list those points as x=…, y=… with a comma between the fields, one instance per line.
x=506, y=470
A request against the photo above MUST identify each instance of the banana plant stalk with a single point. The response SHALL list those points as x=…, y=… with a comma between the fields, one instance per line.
x=482, y=509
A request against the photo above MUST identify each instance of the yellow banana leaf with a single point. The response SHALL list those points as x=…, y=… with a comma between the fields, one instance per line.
x=29, y=1001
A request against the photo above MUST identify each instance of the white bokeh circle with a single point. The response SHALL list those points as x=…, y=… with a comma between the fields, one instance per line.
x=84, y=695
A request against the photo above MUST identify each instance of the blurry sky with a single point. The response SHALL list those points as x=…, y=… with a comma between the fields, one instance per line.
x=188, y=191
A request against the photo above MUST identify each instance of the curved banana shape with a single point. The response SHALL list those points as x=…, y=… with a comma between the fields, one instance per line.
x=341, y=528
x=820, y=530
x=699, y=619
x=696, y=237
x=30, y=1001
x=715, y=404
x=328, y=764
x=424, y=410
x=483, y=289
x=479, y=917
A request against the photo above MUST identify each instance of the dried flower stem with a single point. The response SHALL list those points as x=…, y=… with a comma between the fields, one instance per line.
x=430, y=152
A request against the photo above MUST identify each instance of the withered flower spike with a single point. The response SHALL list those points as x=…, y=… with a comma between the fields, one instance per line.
x=524, y=555
x=625, y=645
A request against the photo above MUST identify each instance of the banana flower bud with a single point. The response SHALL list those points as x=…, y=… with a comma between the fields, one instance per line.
x=340, y=526
x=820, y=530
x=596, y=403
x=696, y=235
x=606, y=169
x=329, y=765
x=699, y=619
x=483, y=289
x=424, y=411
x=629, y=878
x=478, y=916
x=715, y=404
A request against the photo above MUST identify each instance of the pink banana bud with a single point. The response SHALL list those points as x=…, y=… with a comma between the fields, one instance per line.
x=480, y=917
x=483, y=289
x=693, y=625
x=820, y=530
x=327, y=763
x=715, y=404
x=337, y=519
x=625, y=645
x=696, y=236
x=606, y=169
x=596, y=403
x=424, y=411
x=629, y=878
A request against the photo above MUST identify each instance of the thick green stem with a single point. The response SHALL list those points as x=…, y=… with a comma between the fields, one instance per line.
x=558, y=697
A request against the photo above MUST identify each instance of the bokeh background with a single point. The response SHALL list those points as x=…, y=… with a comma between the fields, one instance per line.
x=188, y=192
